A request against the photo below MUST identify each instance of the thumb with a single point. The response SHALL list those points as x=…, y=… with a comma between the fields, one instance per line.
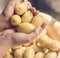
x=21, y=38
x=9, y=10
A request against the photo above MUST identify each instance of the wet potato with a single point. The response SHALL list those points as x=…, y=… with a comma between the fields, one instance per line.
x=25, y=27
x=27, y=17
x=37, y=20
x=15, y=20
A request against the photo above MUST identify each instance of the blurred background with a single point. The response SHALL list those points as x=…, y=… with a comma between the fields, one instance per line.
x=51, y=7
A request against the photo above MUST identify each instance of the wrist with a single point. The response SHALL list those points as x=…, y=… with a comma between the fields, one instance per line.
x=6, y=38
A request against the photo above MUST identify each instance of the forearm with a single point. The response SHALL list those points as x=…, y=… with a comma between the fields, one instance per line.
x=6, y=41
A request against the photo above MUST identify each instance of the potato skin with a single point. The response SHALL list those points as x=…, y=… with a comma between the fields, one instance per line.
x=27, y=17
x=25, y=27
x=29, y=53
x=52, y=32
x=37, y=20
x=15, y=20
x=51, y=55
x=8, y=55
x=39, y=55
x=36, y=48
x=19, y=52
x=20, y=9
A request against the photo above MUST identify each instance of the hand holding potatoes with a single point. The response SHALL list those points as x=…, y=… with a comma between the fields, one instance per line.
x=26, y=22
x=9, y=34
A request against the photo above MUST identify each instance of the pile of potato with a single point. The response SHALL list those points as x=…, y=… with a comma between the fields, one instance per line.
x=46, y=45
x=42, y=47
x=24, y=20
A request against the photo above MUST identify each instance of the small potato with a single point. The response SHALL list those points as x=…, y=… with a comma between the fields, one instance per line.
x=15, y=20
x=27, y=44
x=29, y=53
x=39, y=55
x=25, y=27
x=8, y=55
x=51, y=55
x=47, y=17
x=36, y=48
x=19, y=52
x=20, y=9
x=45, y=50
x=37, y=20
x=27, y=17
x=52, y=32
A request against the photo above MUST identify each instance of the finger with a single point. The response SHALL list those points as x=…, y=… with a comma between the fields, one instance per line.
x=9, y=10
x=34, y=11
x=37, y=12
x=43, y=25
x=39, y=30
x=29, y=5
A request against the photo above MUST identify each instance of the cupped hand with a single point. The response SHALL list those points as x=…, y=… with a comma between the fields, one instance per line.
x=10, y=38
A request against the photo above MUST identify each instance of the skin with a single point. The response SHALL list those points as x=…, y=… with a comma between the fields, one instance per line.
x=7, y=34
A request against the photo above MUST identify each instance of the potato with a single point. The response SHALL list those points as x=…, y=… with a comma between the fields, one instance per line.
x=25, y=27
x=39, y=55
x=16, y=47
x=47, y=42
x=36, y=48
x=57, y=27
x=27, y=17
x=29, y=53
x=19, y=52
x=8, y=55
x=51, y=55
x=45, y=50
x=37, y=20
x=58, y=56
x=27, y=44
x=52, y=32
x=47, y=17
x=15, y=20
x=20, y=9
